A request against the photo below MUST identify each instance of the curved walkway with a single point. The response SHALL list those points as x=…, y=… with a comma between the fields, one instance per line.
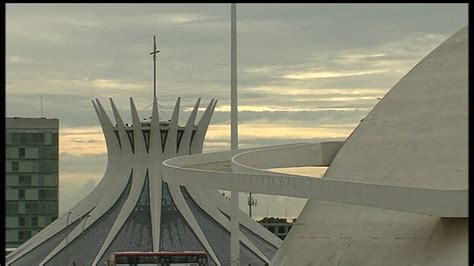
x=249, y=174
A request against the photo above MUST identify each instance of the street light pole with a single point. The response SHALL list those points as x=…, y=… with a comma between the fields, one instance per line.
x=67, y=224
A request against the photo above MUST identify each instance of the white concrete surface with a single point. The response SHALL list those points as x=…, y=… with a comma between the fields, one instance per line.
x=416, y=136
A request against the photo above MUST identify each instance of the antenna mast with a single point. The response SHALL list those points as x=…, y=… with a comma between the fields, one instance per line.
x=251, y=201
x=154, y=65
x=41, y=102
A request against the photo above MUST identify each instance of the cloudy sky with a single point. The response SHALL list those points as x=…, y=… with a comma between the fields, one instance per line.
x=306, y=72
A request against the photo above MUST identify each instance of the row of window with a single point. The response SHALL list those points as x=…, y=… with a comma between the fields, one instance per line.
x=43, y=208
x=25, y=180
x=164, y=135
x=32, y=221
x=32, y=138
x=33, y=166
x=43, y=194
x=41, y=152
x=278, y=229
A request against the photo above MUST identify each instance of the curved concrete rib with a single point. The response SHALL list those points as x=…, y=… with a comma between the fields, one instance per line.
x=88, y=203
x=202, y=126
x=112, y=192
x=126, y=146
x=139, y=174
x=155, y=158
x=441, y=203
x=199, y=197
x=183, y=208
x=172, y=138
x=184, y=144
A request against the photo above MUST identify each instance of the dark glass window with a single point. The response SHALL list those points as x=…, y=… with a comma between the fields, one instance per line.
x=130, y=138
x=271, y=229
x=25, y=180
x=146, y=135
x=281, y=229
x=8, y=138
x=180, y=135
x=47, y=194
x=15, y=166
x=21, y=221
x=21, y=152
x=54, y=138
x=31, y=208
x=16, y=138
x=53, y=218
x=24, y=235
x=34, y=221
x=11, y=208
x=21, y=194
x=164, y=135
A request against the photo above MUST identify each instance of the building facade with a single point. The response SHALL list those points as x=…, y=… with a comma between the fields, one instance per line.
x=31, y=177
x=281, y=230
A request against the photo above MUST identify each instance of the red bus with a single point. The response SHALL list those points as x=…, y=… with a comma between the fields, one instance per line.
x=137, y=258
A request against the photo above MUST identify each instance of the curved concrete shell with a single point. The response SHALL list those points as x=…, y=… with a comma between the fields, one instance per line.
x=416, y=136
x=133, y=209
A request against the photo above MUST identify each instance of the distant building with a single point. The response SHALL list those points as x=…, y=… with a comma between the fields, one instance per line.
x=278, y=226
x=31, y=177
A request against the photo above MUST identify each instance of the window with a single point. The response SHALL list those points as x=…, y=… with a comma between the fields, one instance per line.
x=25, y=180
x=21, y=221
x=34, y=221
x=11, y=208
x=21, y=194
x=15, y=166
x=24, y=235
x=164, y=135
x=21, y=152
x=53, y=218
x=281, y=229
x=31, y=208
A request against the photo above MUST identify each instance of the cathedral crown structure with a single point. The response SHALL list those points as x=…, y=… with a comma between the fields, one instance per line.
x=133, y=209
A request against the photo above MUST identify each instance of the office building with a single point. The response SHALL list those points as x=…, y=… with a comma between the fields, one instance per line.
x=31, y=177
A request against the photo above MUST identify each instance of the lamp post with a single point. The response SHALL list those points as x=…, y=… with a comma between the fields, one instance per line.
x=84, y=223
x=67, y=224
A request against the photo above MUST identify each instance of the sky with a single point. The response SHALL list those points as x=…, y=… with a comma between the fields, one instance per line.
x=306, y=72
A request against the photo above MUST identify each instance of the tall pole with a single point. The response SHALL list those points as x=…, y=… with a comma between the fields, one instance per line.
x=41, y=99
x=154, y=65
x=234, y=195
x=234, y=140
x=67, y=224
x=250, y=204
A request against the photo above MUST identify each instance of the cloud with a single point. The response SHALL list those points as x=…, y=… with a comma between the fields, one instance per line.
x=81, y=141
x=330, y=74
x=16, y=60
